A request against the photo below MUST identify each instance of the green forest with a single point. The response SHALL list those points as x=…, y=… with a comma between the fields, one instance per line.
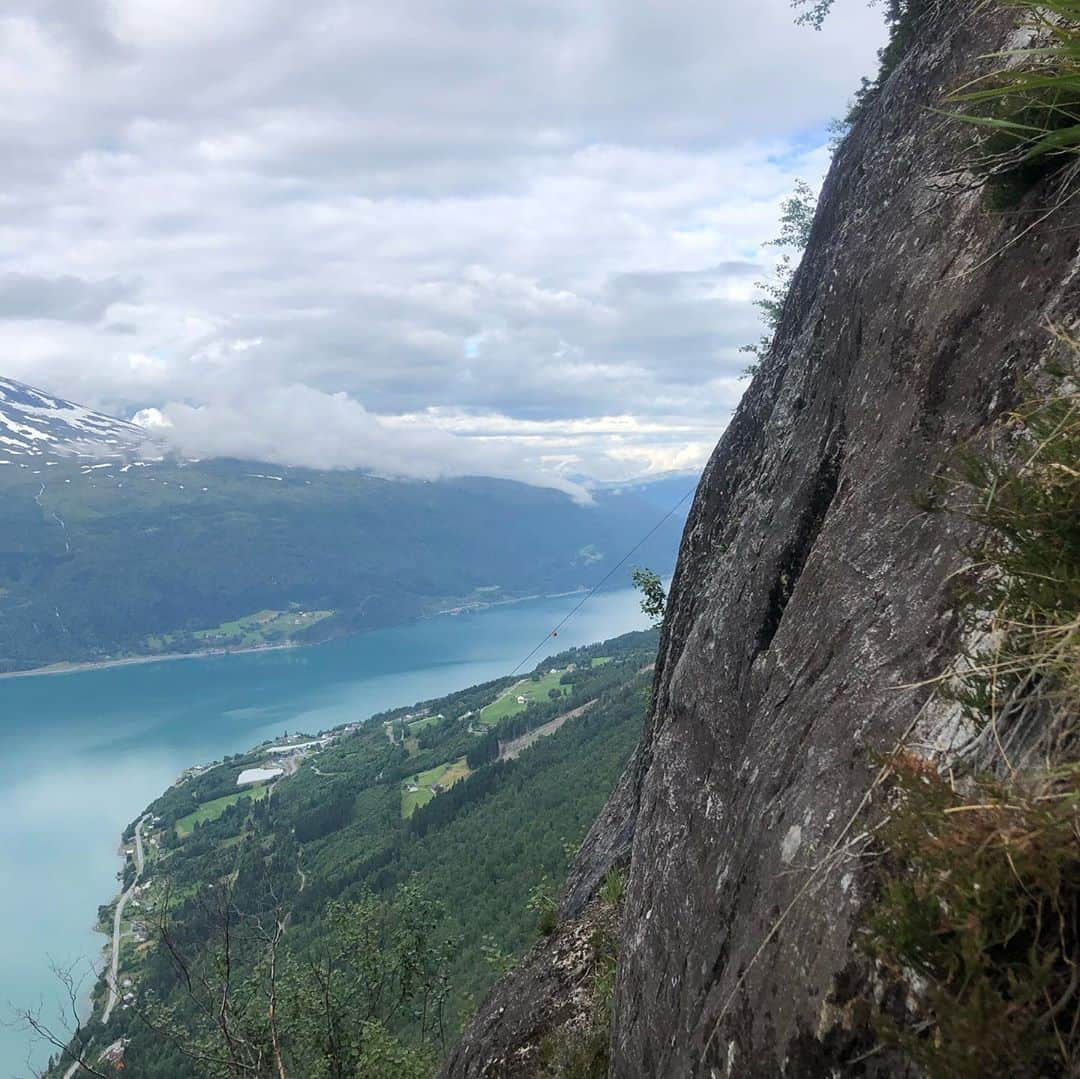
x=322, y=868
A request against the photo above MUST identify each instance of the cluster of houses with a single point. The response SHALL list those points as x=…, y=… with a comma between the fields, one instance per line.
x=141, y=903
x=193, y=772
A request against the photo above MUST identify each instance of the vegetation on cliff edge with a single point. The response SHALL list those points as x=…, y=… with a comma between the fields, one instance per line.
x=978, y=911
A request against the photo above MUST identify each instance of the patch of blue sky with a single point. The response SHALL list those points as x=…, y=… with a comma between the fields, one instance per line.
x=801, y=146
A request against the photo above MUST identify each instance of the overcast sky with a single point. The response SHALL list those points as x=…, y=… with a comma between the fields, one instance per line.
x=421, y=237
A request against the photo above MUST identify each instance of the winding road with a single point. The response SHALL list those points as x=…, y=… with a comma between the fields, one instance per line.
x=113, y=977
x=114, y=966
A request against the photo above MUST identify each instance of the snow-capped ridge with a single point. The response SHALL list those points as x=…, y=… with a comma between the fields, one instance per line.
x=34, y=424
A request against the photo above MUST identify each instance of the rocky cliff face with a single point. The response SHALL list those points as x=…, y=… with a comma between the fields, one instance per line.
x=811, y=600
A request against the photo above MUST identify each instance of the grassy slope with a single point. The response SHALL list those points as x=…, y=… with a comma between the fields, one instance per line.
x=442, y=775
x=210, y=811
x=509, y=705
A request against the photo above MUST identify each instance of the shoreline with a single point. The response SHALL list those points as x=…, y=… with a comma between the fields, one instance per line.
x=55, y=669
x=133, y=661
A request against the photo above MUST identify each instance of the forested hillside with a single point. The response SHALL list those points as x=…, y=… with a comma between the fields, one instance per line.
x=105, y=560
x=432, y=817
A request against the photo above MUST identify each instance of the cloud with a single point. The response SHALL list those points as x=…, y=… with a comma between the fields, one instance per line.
x=65, y=299
x=515, y=213
x=299, y=426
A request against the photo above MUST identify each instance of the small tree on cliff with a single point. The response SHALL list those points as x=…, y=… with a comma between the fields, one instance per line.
x=796, y=220
x=653, y=597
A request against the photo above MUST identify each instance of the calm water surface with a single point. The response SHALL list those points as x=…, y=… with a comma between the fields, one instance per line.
x=83, y=753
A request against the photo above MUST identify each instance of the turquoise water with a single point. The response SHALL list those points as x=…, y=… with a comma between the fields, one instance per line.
x=83, y=753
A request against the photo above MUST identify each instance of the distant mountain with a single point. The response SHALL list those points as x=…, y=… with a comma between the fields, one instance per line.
x=107, y=552
x=33, y=424
x=663, y=489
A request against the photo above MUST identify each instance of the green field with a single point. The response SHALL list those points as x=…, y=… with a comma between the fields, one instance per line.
x=212, y=810
x=508, y=705
x=410, y=800
x=445, y=775
x=262, y=627
x=420, y=724
x=601, y=661
x=249, y=631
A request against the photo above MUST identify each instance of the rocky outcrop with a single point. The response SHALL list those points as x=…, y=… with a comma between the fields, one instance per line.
x=813, y=599
x=547, y=998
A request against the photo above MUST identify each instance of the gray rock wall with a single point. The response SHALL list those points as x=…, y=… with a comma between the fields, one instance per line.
x=811, y=591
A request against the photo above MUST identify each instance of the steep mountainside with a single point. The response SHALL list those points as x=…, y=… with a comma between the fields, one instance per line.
x=812, y=601
x=108, y=550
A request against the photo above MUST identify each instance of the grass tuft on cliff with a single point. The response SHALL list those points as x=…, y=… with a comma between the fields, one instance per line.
x=977, y=915
x=1026, y=604
x=1027, y=109
x=582, y=1048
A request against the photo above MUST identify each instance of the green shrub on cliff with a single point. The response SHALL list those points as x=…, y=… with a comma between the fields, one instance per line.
x=902, y=18
x=1026, y=604
x=796, y=220
x=978, y=915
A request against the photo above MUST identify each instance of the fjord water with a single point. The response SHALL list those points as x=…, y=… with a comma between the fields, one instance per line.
x=85, y=752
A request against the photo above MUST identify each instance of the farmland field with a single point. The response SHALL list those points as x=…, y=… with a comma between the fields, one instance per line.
x=444, y=775
x=209, y=811
x=420, y=724
x=508, y=704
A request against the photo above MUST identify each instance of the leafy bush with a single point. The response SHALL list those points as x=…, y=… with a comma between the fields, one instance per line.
x=322, y=1017
x=796, y=220
x=653, y=596
x=543, y=904
x=902, y=17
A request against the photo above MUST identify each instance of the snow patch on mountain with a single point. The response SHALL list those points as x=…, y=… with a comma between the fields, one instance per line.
x=34, y=424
